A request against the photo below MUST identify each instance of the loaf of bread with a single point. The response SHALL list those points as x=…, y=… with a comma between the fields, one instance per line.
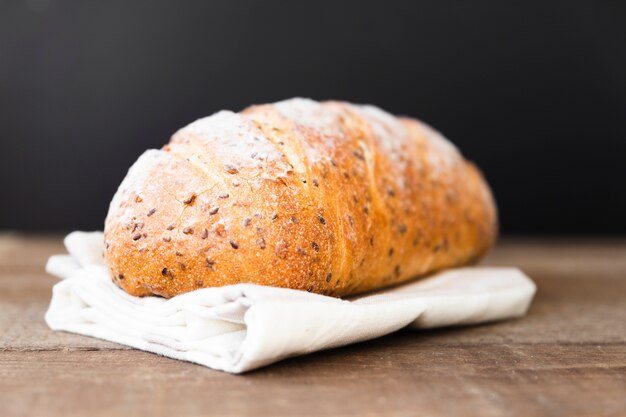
x=331, y=197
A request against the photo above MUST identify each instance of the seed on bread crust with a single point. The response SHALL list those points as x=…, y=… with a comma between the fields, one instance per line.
x=209, y=263
x=231, y=169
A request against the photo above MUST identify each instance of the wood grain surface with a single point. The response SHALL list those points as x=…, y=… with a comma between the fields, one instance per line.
x=566, y=358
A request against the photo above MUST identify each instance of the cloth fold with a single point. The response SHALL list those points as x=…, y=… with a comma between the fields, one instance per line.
x=241, y=327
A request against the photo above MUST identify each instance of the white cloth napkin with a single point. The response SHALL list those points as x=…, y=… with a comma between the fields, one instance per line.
x=242, y=327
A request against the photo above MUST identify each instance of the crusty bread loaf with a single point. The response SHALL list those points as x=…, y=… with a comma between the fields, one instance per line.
x=330, y=197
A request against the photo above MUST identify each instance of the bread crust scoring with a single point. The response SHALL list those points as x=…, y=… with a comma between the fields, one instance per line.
x=330, y=197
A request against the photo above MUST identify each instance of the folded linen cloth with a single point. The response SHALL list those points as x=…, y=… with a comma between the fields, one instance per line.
x=241, y=327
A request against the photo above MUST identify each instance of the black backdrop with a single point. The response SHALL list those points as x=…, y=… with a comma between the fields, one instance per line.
x=534, y=92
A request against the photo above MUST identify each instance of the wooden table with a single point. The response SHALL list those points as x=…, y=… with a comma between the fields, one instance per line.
x=566, y=358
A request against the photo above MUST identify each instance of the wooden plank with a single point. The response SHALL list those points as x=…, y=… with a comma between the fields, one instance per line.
x=567, y=357
x=20, y=252
x=396, y=375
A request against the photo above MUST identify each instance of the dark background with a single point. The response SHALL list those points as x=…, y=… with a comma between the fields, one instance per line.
x=534, y=92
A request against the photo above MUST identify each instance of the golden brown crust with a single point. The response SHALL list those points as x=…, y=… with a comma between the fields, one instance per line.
x=327, y=197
